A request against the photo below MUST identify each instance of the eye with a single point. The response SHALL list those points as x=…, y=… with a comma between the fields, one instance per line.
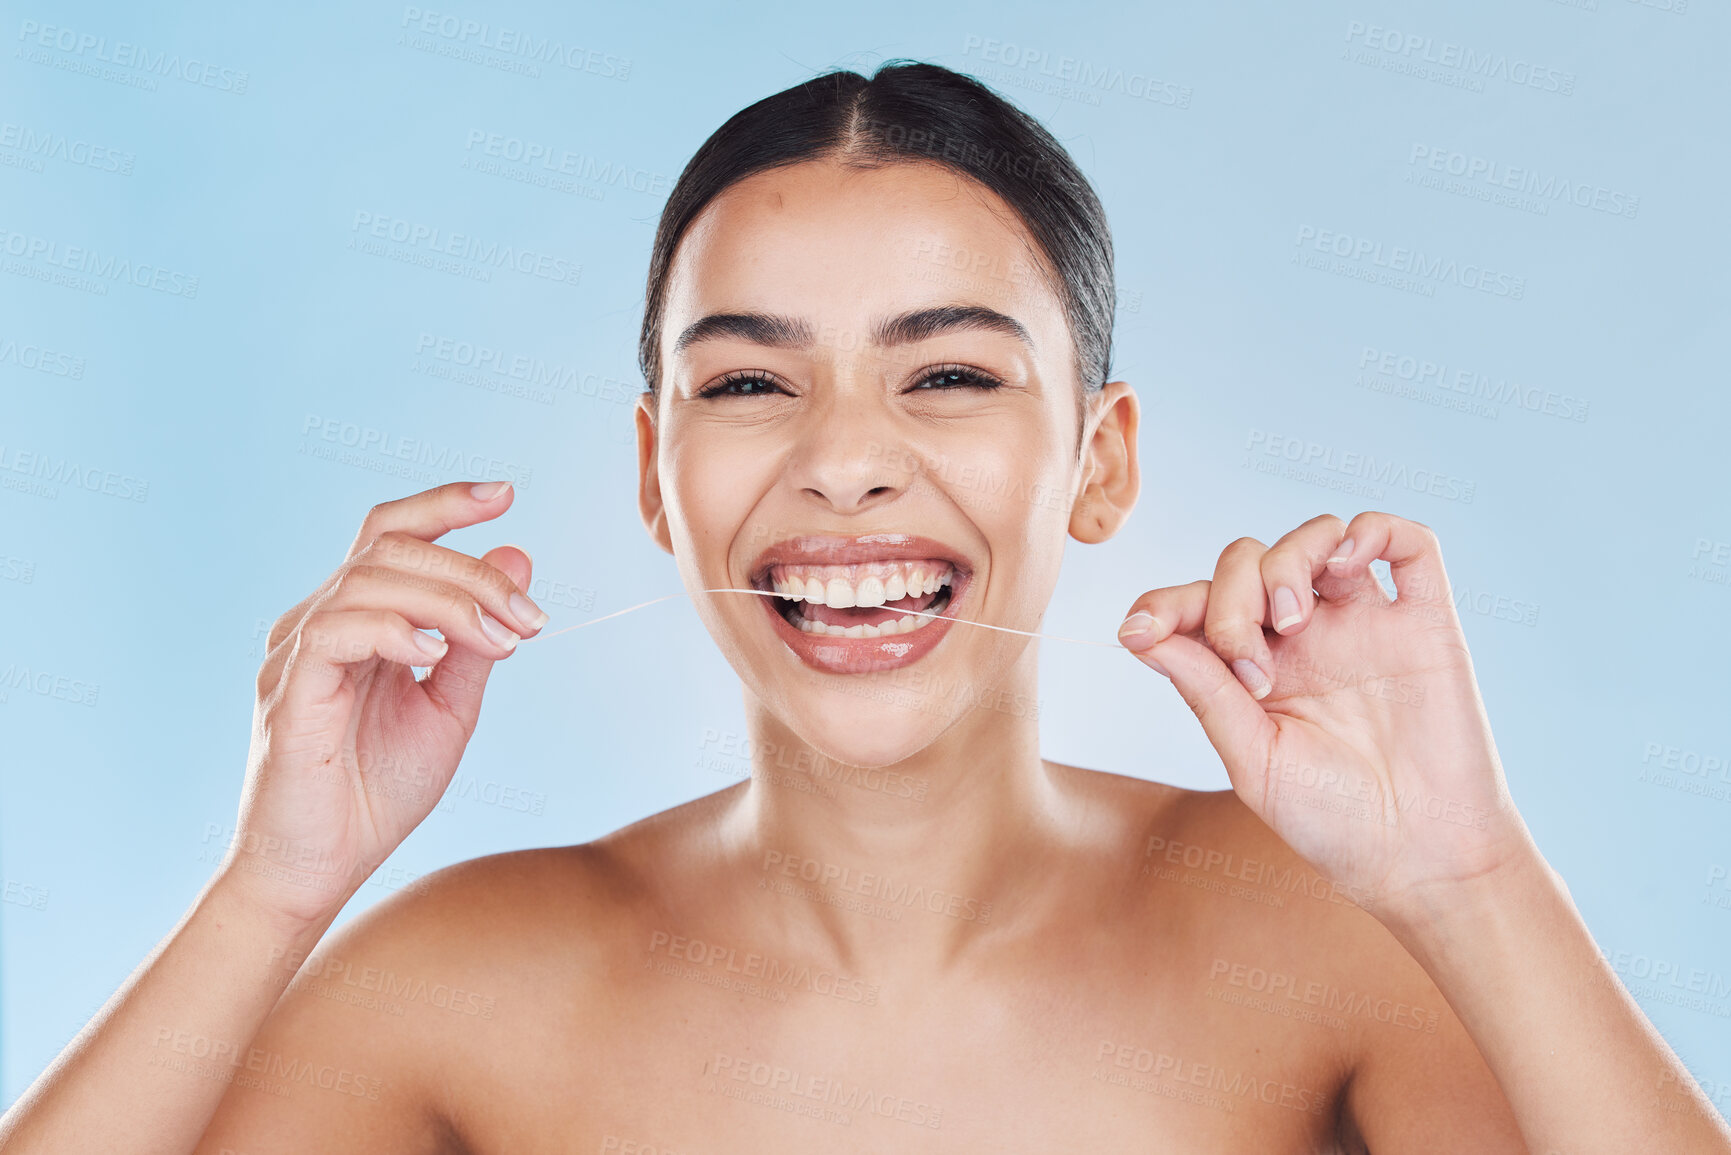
x=740, y=384
x=947, y=377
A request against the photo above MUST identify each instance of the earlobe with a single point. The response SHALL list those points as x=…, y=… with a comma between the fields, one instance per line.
x=649, y=502
x=1112, y=478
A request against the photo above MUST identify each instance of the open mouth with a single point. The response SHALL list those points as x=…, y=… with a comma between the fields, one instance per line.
x=878, y=599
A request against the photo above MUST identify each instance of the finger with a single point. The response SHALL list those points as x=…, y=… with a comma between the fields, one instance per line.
x=1240, y=730
x=459, y=680
x=1341, y=582
x=1291, y=566
x=328, y=642
x=419, y=560
x=1237, y=609
x=435, y=512
x=1413, y=554
x=427, y=515
x=451, y=609
x=1158, y=614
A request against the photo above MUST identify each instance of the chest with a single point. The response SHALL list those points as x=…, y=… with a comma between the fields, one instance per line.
x=714, y=1055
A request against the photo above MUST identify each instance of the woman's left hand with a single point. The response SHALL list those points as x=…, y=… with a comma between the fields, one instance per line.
x=1349, y=721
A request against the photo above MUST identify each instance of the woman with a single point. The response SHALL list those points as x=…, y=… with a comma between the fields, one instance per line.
x=877, y=340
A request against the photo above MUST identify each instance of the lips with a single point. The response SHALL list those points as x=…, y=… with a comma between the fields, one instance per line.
x=848, y=558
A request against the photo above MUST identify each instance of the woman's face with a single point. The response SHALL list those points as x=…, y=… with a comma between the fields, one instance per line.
x=867, y=390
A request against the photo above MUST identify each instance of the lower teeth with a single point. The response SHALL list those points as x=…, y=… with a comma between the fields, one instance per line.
x=901, y=625
x=905, y=624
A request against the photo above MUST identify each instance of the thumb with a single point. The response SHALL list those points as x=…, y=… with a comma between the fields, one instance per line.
x=460, y=678
x=1239, y=728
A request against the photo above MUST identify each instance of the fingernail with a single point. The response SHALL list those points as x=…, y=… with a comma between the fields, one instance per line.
x=1157, y=667
x=526, y=611
x=488, y=490
x=1253, y=678
x=1286, y=610
x=1342, y=552
x=524, y=552
x=1137, y=630
x=495, y=629
x=431, y=646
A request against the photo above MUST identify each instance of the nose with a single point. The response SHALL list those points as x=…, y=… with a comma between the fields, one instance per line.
x=848, y=458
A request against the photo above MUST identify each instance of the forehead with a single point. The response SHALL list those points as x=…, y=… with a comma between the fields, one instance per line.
x=842, y=246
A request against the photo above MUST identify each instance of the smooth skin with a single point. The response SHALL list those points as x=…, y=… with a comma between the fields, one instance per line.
x=1357, y=948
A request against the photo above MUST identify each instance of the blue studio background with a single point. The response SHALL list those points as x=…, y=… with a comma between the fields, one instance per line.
x=1485, y=242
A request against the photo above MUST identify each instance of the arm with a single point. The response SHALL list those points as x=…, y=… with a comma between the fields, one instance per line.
x=350, y=752
x=203, y=986
x=1580, y=1064
x=1356, y=732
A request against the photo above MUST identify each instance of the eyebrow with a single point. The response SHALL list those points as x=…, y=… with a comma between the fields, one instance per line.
x=783, y=332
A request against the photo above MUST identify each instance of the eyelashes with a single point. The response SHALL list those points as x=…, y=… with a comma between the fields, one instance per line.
x=952, y=377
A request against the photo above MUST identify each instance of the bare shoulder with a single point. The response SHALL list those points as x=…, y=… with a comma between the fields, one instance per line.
x=382, y=1037
x=490, y=918
x=1282, y=952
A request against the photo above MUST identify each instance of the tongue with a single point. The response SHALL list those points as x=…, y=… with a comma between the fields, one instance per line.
x=874, y=616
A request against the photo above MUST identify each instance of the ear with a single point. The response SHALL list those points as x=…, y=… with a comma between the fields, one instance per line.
x=649, y=503
x=1111, y=477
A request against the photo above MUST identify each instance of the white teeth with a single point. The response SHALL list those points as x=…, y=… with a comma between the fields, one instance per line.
x=905, y=624
x=870, y=589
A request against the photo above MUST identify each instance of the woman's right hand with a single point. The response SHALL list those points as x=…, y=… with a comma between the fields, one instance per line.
x=349, y=751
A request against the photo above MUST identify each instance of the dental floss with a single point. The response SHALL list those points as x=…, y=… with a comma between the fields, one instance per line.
x=770, y=594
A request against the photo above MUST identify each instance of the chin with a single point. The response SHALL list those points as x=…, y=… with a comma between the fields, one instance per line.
x=871, y=725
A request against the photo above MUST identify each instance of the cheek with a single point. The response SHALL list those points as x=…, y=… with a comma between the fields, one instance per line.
x=710, y=485
x=1013, y=480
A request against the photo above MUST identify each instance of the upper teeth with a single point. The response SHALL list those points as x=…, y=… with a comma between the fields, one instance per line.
x=868, y=584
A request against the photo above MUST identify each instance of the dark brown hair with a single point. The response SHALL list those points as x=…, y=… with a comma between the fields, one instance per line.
x=911, y=112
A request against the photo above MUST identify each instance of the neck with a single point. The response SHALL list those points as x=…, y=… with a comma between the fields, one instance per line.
x=877, y=866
